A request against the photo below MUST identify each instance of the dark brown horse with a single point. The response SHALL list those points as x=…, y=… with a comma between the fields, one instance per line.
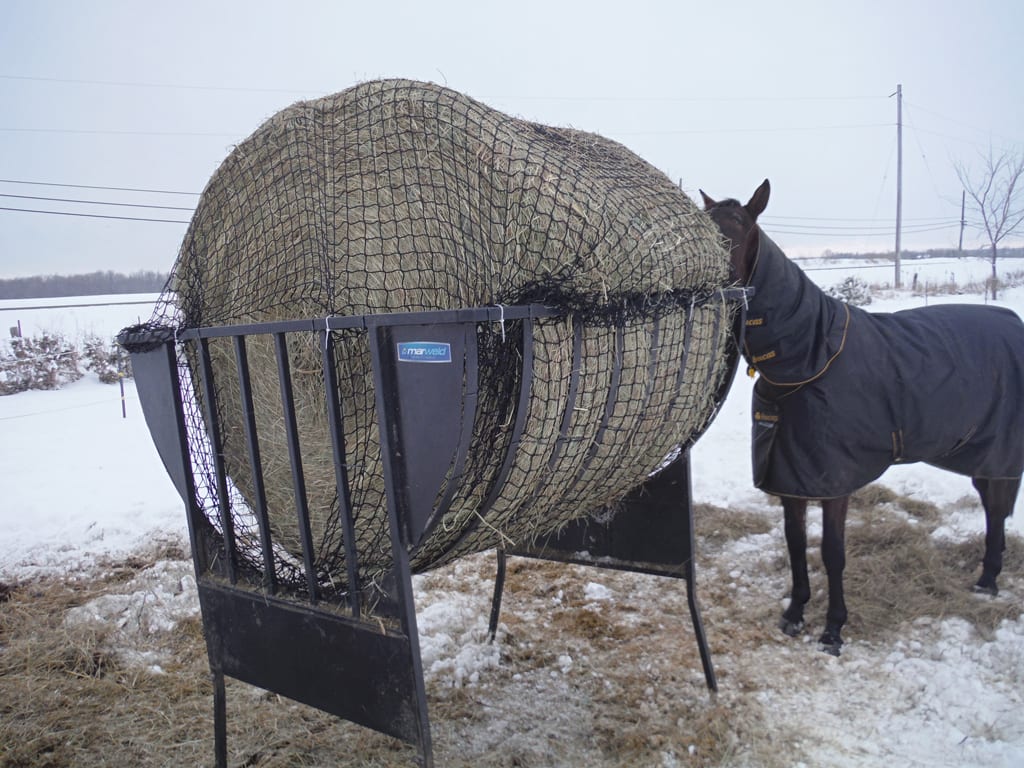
x=842, y=394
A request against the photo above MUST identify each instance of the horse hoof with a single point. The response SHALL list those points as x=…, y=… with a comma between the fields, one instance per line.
x=832, y=649
x=791, y=628
x=830, y=643
x=981, y=589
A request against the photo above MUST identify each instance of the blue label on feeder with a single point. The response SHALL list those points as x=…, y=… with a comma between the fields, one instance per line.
x=424, y=352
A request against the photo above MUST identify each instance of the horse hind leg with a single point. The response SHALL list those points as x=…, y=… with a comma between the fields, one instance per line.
x=997, y=497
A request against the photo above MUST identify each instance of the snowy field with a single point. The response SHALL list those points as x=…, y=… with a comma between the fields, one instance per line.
x=82, y=485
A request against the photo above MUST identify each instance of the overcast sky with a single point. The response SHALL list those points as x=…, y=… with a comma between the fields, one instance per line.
x=151, y=96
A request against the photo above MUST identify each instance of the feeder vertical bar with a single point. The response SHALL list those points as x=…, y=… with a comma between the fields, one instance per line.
x=609, y=405
x=567, y=412
x=390, y=445
x=714, y=335
x=295, y=457
x=652, y=362
x=691, y=579
x=519, y=424
x=570, y=398
x=652, y=370
x=213, y=430
x=613, y=393
x=259, y=499
x=334, y=418
x=470, y=393
x=685, y=359
x=499, y=587
x=220, y=719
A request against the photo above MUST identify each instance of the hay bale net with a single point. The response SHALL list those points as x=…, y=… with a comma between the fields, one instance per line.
x=398, y=196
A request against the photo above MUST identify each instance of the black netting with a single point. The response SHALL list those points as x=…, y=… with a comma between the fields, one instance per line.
x=399, y=196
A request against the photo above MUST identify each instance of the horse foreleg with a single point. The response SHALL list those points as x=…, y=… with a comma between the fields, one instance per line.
x=998, y=497
x=795, y=511
x=833, y=553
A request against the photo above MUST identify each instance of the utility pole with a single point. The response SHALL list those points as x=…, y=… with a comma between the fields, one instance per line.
x=899, y=176
x=963, y=220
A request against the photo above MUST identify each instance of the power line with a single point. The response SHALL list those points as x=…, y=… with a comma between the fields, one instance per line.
x=786, y=221
x=96, y=202
x=888, y=265
x=76, y=306
x=986, y=131
x=95, y=186
x=765, y=219
x=93, y=215
x=177, y=86
x=853, y=232
x=617, y=132
x=110, y=132
x=780, y=225
x=547, y=97
x=749, y=129
x=887, y=226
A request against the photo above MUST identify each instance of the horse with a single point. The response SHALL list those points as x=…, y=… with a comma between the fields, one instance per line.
x=842, y=394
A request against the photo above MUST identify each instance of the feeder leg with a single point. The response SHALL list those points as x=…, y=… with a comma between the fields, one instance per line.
x=702, y=643
x=499, y=586
x=220, y=717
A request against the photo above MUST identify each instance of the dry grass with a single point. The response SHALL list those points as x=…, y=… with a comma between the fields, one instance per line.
x=632, y=693
x=67, y=698
x=717, y=526
x=898, y=572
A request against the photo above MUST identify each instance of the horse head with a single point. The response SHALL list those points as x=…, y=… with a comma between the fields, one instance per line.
x=738, y=223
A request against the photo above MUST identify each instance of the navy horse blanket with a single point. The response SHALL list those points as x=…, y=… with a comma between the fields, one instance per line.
x=844, y=393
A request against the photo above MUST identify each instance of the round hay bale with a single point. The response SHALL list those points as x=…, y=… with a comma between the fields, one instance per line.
x=398, y=196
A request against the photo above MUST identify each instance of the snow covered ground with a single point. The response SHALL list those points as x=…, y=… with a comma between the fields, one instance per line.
x=81, y=485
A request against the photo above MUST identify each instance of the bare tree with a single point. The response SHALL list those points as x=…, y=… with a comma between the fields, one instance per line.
x=997, y=194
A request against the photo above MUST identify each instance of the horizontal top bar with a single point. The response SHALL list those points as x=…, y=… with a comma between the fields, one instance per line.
x=493, y=314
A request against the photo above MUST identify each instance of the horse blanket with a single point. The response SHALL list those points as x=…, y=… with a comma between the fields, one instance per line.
x=844, y=393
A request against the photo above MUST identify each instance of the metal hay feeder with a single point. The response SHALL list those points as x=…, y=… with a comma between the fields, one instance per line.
x=274, y=619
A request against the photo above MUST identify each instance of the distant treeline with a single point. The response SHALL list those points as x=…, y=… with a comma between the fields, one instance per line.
x=932, y=253
x=92, y=284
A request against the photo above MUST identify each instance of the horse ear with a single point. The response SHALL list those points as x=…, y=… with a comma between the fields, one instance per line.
x=759, y=200
x=708, y=202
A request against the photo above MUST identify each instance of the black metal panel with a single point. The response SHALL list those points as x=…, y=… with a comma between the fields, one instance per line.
x=650, y=531
x=428, y=375
x=156, y=381
x=316, y=657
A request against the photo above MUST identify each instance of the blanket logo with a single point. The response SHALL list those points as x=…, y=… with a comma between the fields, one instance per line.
x=424, y=352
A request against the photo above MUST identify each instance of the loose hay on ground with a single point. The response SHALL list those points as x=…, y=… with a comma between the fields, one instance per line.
x=630, y=696
x=897, y=572
x=633, y=693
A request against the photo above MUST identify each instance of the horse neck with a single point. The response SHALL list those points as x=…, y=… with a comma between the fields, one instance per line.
x=743, y=258
x=793, y=327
